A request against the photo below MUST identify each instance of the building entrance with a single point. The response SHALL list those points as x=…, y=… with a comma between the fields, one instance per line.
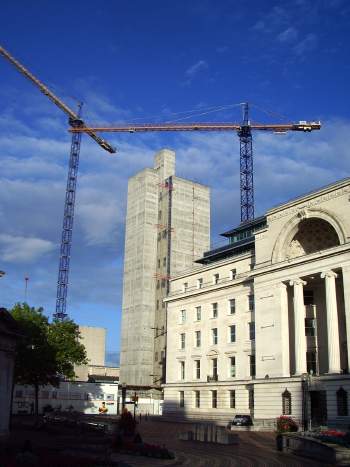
x=318, y=403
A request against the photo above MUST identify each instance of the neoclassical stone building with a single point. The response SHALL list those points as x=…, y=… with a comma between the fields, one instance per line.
x=262, y=325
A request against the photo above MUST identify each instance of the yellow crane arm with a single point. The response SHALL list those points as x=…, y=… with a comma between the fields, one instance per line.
x=61, y=105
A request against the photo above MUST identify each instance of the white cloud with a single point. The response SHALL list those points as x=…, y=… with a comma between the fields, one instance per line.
x=194, y=69
x=288, y=35
x=15, y=249
x=308, y=44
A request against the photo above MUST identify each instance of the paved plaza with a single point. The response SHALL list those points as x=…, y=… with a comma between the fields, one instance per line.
x=256, y=449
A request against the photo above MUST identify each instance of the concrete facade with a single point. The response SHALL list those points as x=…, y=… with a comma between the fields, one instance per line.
x=263, y=325
x=167, y=227
x=94, y=340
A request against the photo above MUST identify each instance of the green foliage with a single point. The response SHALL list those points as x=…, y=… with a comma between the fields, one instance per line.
x=35, y=361
x=64, y=337
x=48, y=350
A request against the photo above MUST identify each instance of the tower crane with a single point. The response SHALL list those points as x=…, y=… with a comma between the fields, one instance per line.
x=76, y=122
x=244, y=131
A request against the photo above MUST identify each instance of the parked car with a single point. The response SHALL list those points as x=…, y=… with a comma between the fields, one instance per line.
x=241, y=420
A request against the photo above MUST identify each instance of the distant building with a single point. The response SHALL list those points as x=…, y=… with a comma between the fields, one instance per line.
x=80, y=396
x=94, y=340
x=262, y=327
x=9, y=334
x=95, y=383
x=167, y=228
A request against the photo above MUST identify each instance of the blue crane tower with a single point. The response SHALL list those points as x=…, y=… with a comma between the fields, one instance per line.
x=75, y=121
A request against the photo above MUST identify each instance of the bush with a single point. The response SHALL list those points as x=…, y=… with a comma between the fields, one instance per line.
x=286, y=424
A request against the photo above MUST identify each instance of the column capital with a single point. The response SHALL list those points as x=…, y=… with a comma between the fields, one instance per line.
x=329, y=273
x=297, y=281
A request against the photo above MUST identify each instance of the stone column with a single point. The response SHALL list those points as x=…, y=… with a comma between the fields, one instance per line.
x=283, y=297
x=346, y=288
x=299, y=325
x=332, y=322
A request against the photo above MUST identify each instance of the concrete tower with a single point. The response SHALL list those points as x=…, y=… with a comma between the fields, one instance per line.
x=167, y=228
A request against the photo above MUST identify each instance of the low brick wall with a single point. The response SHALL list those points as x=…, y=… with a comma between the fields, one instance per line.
x=315, y=449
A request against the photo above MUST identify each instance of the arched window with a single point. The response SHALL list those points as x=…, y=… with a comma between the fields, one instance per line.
x=286, y=403
x=342, y=402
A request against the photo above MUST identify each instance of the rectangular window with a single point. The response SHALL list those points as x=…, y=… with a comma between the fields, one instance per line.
x=198, y=313
x=233, y=274
x=309, y=297
x=198, y=338
x=182, y=398
x=156, y=357
x=159, y=215
x=232, y=367
x=233, y=333
x=185, y=286
x=251, y=302
x=214, y=335
x=199, y=283
x=163, y=283
x=309, y=327
x=214, y=399
x=182, y=340
x=252, y=365
x=215, y=368
x=252, y=331
x=158, y=263
x=157, y=304
x=197, y=399
x=215, y=310
x=197, y=364
x=311, y=362
x=182, y=370
x=216, y=278
x=232, y=399
x=182, y=316
x=251, y=399
x=164, y=261
x=232, y=303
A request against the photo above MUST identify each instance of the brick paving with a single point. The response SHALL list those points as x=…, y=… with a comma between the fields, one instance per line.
x=256, y=449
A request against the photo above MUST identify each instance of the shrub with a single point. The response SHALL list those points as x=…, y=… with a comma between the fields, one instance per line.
x=286, y=424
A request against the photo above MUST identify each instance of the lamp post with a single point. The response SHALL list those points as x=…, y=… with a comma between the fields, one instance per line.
x=305, y=384
x=123, y=395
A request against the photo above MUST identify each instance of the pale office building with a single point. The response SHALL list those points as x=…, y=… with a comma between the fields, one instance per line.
x=262, y=325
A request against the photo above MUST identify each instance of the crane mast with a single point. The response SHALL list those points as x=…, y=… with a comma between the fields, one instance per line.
x=69, y=205
x=244, y=131
x=246, y=167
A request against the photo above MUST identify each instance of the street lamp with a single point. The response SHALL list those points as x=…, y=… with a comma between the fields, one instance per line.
x=305, y=384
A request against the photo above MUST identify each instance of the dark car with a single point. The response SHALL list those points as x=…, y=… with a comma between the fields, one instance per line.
x=242, y=420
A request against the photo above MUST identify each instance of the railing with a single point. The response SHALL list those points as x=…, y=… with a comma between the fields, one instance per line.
x=212, y=378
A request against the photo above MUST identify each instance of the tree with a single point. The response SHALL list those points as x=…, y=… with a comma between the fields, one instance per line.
x=47, y=352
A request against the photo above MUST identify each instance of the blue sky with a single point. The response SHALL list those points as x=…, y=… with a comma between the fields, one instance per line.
x=149, y=61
